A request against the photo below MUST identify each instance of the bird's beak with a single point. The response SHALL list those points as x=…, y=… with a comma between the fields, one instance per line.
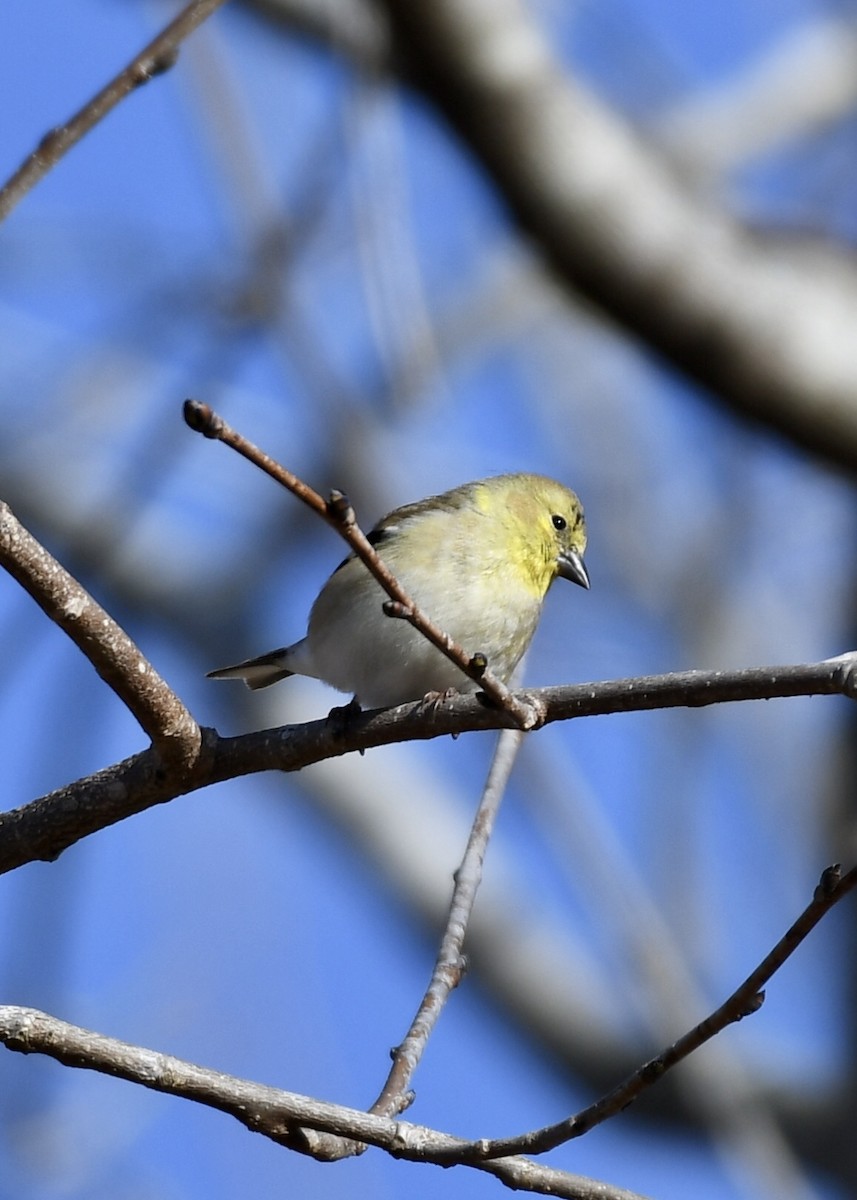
x=571, y=566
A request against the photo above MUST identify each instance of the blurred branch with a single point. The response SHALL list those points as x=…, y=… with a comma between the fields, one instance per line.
x=45, y=827
x=804, y=82
x=359, y=29
x=176, y=737
x=771, y=334
x=155, y=58
x=768, y=328
x=278, y=1115
x=722, y=1091
x=413, y=850
x=450, y=964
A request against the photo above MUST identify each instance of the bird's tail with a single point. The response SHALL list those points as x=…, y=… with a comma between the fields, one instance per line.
x=257, y=672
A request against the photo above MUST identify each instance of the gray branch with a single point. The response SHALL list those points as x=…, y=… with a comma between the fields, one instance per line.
x=282, y=1116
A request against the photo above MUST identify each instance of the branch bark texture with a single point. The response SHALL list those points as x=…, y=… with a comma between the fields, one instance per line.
x=270, y=1111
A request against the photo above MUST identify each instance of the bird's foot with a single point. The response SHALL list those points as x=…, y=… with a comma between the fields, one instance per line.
x=340, y=717
x=433, y=702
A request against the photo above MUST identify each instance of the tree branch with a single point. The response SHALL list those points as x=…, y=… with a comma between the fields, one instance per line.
x=285, y=1117
x=45, y=827
x=274, y=1113
x=176, y=737
x=744, y=1001
x=160, y=54
x=450, y=964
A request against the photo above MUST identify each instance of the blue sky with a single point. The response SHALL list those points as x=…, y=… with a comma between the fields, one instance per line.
x=407, y=341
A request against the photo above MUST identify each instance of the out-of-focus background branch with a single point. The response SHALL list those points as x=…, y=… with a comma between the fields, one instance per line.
x=318, y=225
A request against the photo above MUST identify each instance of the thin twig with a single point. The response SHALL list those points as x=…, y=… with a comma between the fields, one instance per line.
x=267, y=1110
x=744, y=1001
x=175, y=735
x=45, y=827
x=338, y=513
x=154, y=59
x=450, y=964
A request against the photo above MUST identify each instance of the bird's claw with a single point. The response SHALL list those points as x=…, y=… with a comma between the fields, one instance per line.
x=340, y=717
x=433, y=702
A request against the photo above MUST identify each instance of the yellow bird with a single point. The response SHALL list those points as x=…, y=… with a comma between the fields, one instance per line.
x=478, y=560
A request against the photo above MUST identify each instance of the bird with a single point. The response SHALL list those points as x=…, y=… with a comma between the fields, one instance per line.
x=478, y=560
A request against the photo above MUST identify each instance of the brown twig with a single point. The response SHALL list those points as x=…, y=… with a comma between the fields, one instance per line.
x=45, y=827
x=176, y=737
x=275, y=1114
x=744, y=1001
x=154, y=59
x=450, y=964
x=338, y=513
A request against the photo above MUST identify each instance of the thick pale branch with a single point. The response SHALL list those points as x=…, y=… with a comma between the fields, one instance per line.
x=158, y=56
x=276, y=1114
x=45, y=827
x=766, y=327
x=766, y=324
x=175, y=734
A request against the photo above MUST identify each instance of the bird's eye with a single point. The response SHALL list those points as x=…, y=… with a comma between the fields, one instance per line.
x=558, y=521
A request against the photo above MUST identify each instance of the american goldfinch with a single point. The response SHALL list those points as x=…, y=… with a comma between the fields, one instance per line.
x=478, y=560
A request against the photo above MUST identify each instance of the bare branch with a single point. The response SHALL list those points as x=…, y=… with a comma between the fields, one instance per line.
x=160, y=54
x=450, y=964
x=45, y=827
x=274, y=1113
x=338, y=513
x=175, y=735
x=744, y=1001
